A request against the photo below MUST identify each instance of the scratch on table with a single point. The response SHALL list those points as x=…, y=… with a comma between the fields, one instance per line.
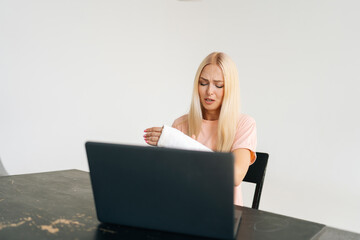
x=65, y=221
x=24, y=220
x=90, y=229
x=49, y=228
x=52, y=229
x=107, y=230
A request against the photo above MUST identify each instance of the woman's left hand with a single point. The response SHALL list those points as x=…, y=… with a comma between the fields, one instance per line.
x=152, y=135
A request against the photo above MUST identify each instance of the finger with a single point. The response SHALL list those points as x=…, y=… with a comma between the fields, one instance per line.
x=154, y=129
x=157, y=129
x=152, y=134
x=193, y=136
x=151, y=137
x=152, y=141
x=149, y=141
x=147, y=130
x=154, y=137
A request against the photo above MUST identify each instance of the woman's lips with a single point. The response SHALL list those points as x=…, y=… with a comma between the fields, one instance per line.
x=209, y=101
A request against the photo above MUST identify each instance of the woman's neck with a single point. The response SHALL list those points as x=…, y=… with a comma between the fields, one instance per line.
x=211, y=116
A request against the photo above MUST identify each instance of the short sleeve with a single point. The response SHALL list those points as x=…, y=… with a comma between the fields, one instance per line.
x=181, y=124
x=245, y=136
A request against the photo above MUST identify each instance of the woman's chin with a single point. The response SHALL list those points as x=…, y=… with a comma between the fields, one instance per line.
x=211, y=108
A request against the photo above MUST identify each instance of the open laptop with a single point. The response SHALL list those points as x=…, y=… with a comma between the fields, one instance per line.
x=172, y=190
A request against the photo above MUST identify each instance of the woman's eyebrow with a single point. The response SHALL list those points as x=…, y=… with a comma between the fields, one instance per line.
x=217, y=81
x=204, y=79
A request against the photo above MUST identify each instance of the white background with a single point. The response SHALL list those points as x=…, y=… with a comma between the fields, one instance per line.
x=72, y=71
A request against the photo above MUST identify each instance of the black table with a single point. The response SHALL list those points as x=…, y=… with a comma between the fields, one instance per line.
x=60, y=205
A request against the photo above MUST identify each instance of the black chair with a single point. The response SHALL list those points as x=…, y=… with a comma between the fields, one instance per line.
x=256, y=174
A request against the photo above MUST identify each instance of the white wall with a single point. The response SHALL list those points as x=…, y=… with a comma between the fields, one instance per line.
x=72, y=71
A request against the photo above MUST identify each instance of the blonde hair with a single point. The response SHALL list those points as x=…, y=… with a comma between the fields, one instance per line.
x=230, y=108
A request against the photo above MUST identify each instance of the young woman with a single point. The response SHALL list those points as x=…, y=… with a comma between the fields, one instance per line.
x=214, y=118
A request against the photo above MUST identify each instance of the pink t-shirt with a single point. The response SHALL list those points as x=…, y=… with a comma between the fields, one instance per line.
x=245, y=137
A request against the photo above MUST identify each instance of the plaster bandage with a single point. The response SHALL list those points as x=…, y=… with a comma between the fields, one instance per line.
x=173, y=138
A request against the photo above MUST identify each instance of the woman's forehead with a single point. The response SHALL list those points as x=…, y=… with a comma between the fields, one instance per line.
x=212, y=72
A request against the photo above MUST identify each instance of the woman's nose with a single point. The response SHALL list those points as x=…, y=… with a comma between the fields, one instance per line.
x=210, y=89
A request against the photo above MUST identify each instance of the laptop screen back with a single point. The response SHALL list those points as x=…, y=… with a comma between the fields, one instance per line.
x=165, y=189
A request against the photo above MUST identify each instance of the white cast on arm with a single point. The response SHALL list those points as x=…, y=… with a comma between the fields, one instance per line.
x=173, y=138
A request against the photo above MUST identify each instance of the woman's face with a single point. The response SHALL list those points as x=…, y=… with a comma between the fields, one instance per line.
x=211, y=88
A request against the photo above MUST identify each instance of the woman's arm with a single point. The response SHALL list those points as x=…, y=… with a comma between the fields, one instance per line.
x=242, y=156
x=173, y=138
x=242, y=159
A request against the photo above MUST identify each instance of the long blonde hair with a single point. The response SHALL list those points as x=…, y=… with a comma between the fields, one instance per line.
x=230, y=108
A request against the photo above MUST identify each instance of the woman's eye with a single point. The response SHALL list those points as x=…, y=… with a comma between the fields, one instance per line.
x=203, y=84
x=220, y=86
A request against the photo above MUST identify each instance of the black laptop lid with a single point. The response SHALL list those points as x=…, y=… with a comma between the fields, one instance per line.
x=165, y=189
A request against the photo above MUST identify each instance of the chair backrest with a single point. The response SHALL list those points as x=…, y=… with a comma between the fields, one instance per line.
x=256, y=174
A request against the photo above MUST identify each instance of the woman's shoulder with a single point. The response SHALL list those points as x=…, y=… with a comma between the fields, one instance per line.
x=245, y=120
x=181, y=123
x=183, y=120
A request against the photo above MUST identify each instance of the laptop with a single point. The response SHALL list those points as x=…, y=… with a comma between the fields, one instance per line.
x=172, y=190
